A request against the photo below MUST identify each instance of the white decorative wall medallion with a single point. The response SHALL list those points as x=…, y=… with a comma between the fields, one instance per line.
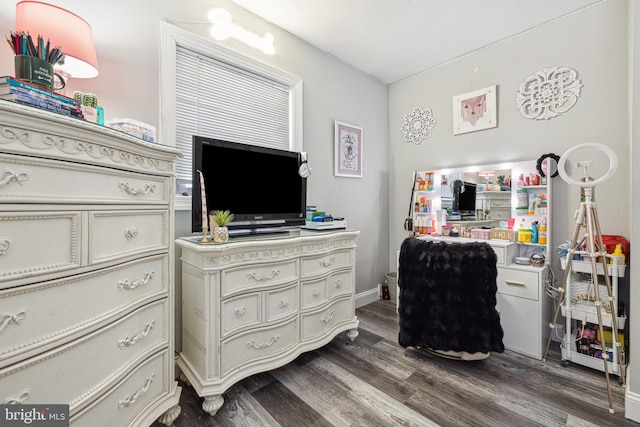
x=549, y=93
x=417, y=125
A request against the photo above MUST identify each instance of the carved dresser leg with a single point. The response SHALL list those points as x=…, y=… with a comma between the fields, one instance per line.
x=170, y=415
x=352, y=334
x=211, y=404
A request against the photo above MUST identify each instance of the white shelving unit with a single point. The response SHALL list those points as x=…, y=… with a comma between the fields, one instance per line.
x=578, y=311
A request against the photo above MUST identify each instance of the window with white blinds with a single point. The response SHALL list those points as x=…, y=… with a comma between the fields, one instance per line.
x=218, y=100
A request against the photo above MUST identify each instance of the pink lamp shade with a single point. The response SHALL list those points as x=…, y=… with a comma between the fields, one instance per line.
x=65, y=29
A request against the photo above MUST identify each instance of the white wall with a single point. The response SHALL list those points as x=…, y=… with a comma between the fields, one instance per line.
x=127, y=38
x=595, y=43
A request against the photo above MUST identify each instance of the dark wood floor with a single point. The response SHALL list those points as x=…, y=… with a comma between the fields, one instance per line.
x=375, y=382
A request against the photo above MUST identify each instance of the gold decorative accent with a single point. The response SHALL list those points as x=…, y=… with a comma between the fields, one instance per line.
x=204, y=239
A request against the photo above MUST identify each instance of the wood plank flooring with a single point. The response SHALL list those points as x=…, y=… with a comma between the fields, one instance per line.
x=375, y=382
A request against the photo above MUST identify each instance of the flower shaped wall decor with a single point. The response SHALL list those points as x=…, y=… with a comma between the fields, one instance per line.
x=417, y=125
x=548, y=93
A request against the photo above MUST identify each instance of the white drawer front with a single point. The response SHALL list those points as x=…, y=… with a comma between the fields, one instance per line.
x=64, y=374
x=524, y=324
x=258, y=276
x=48, y=181
x=322, y=321
x=314, y=292
x=118, y=234
x=240, y=312
x=129, y=398
x=42, y=314
x=500, y=203
x=518, y=283
x=314, y=265
x=500, y=213
x=24, y=234
x=340, y=284
x=282, y=302
x=254, y=346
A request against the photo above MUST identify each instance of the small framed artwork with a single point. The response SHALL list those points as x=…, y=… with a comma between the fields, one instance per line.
x=348, y=150
x=475, y=110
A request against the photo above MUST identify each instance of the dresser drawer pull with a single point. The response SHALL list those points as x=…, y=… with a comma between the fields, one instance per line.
x=131, y=233
x=126, y=285
x=328, y=263
x=5, y=243
x=133, y=191
x=126, y=342
x=18, y=400
x=338, y=284
x=315, y=293
x=513, y=282
x=260, y=278
x=239, y=312
x=283, y=303
x=5, y=319
x=259, y=346
x=327, y=319
x=130, y=400
x=10, y=177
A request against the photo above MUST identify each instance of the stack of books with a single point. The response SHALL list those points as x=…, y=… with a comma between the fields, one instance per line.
x=22, y=92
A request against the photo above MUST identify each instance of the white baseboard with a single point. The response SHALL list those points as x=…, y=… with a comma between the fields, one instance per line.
x=631, y=400
x=367, y=297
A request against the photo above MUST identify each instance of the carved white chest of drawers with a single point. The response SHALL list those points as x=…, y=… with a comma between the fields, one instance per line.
x=255, y=304
x=86, y=270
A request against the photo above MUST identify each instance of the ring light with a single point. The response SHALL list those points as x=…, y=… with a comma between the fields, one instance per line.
x=613, y=165
x=542, y=159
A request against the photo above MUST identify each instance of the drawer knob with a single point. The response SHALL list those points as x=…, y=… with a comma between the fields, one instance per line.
x=10, y=177
x=126, y=341
x=327, y=319
x=130, y=400
x=6, y=319
x=24, y=396
x=338, y=284
x=283, y=303
x=274, y=339
x=133, y=191
x=131, y=233
x=239, y=312
x=514, y=282
x=261, y=278
x=127, y=286
x=315, y=293
x=328, y=263
x=5, y=243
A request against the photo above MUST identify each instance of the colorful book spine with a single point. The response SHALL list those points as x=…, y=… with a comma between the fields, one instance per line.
x=42, y=102
x=11, y=82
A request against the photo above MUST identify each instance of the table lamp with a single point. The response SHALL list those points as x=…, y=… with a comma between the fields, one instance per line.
x=65, y=29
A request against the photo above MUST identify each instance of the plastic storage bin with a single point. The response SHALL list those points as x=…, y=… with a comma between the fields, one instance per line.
x=135, y=128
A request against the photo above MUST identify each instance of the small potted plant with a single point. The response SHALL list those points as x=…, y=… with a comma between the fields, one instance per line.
x=486, y=214
x=220, y=233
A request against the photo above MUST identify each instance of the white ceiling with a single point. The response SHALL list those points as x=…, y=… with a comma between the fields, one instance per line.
x=395, y=39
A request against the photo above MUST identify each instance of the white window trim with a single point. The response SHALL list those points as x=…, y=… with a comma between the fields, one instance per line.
x=170, y=38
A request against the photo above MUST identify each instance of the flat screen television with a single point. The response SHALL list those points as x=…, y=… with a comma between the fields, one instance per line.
x=464, y=198
x=260, y=186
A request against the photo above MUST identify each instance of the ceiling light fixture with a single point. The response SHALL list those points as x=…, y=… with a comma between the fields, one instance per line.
x=224, y=27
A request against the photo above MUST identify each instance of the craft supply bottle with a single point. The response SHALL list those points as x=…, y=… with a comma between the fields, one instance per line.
x=534, y=232
x=617, y=253
x=542, y=232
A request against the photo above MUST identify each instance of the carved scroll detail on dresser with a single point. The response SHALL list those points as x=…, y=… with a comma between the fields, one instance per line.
x=5, y=243
x=126, y=341
x=274, y=339
x=6, y=319
x=126, y=285
x=24, y=396
x=136, y=191
x=8, y=177
x=261, y=278
x=130, y=400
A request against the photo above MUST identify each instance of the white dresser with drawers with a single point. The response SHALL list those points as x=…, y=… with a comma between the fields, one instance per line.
x=86, y=270
x=256, y=303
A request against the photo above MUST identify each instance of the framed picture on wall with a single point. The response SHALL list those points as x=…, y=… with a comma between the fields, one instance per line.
x=475, y=110
x=348, y=150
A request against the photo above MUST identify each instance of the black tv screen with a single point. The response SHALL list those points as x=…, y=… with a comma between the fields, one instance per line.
x=260, y=186
x=464, y=197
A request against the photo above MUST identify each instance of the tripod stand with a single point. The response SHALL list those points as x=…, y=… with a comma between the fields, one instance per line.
x=587, y=221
